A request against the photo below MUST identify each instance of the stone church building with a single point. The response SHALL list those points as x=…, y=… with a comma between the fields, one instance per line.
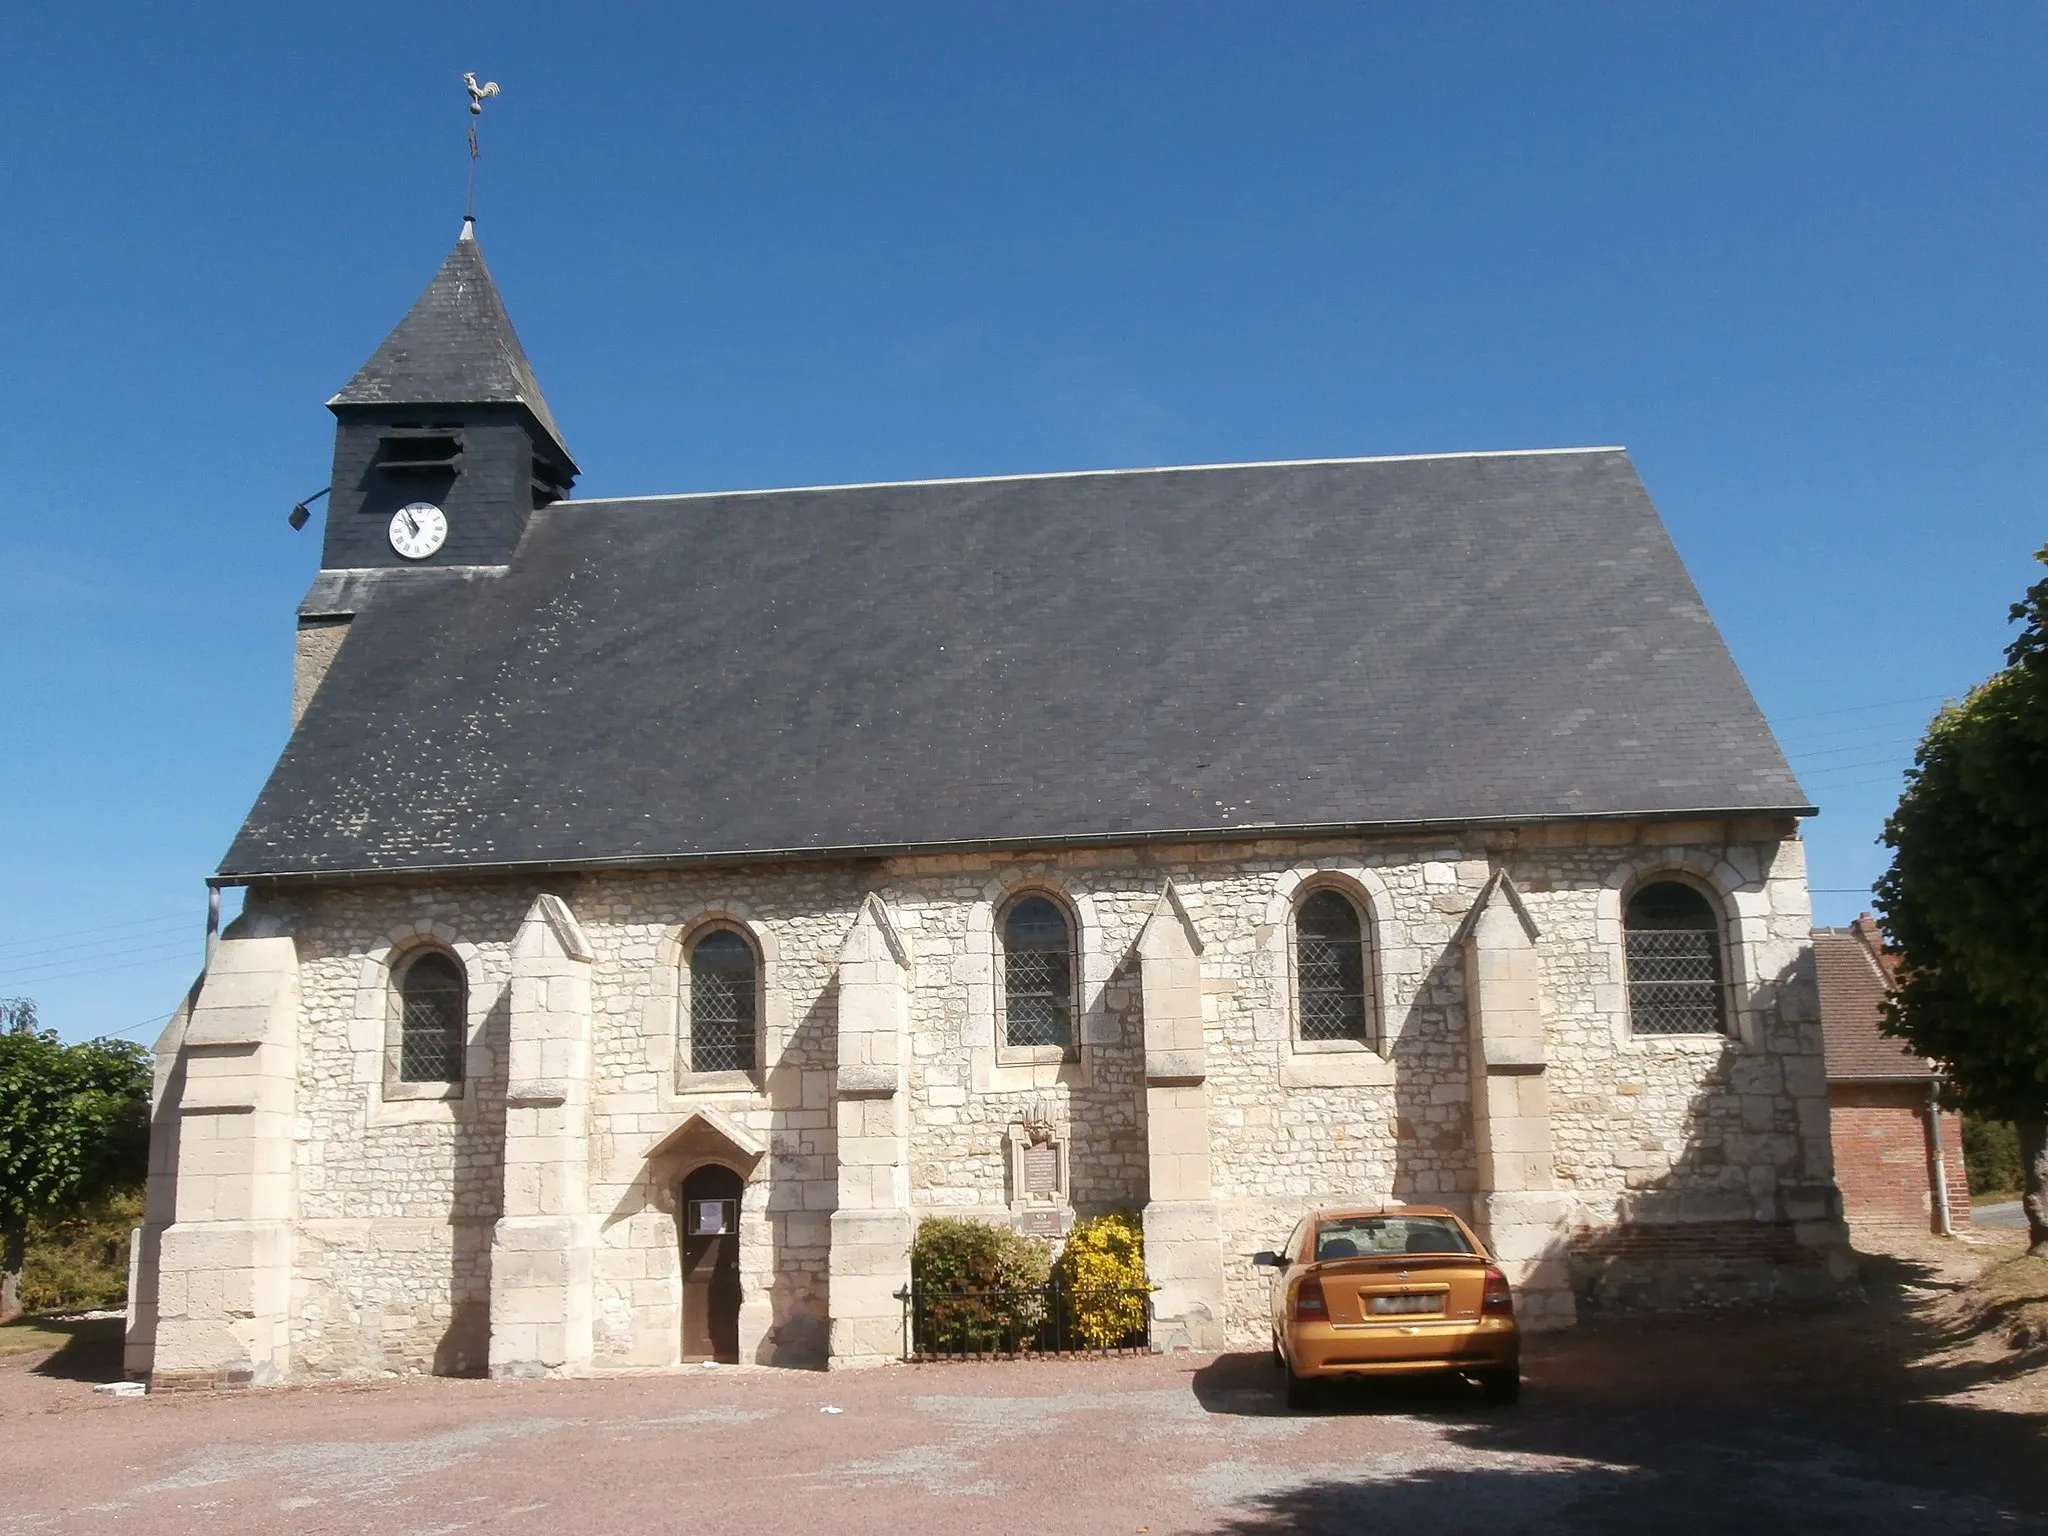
x=663, y=903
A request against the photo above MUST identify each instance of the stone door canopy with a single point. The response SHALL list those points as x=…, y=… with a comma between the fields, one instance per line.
x=707, y=1133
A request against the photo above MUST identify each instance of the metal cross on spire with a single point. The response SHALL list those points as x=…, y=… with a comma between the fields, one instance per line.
x=478, y=95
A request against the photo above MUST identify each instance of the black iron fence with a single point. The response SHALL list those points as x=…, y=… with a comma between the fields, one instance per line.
x=1051, y=1319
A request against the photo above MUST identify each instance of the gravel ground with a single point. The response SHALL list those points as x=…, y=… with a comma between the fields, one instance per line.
x=1882, y=1416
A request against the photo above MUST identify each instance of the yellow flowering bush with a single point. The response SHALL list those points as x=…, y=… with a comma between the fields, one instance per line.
x=1102, y=1271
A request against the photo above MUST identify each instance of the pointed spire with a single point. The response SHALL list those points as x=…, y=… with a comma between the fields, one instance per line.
x=455, y=346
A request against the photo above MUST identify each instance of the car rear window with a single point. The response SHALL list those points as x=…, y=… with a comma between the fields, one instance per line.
x=1364, y=1237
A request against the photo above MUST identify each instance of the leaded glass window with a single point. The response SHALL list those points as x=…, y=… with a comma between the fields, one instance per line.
x=1038, y=975
x=433, y=1002
x=1329, y=953
x=1674, y=962
x=722, y=1003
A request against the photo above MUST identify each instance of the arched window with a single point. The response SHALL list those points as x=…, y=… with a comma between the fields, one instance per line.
x=1674, y=961
x=433, y=1013
x=1038, y=974
x=722, y=992
x=1330, y=968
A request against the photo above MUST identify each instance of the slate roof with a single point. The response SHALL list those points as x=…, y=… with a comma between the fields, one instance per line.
x=1852, y=994
x=455, y=346
x=1039, y=659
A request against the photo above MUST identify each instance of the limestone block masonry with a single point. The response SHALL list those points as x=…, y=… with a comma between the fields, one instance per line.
x=543, y=1251
x=311, y=1218
x=1183, y=1239
x=872, y=1225
x=222, y=1285
x=1518, y=1210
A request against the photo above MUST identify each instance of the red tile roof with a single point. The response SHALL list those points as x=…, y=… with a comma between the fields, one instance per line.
x=1851, y=966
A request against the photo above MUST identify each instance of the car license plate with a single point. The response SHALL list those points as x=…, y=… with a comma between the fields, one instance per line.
x=1390, y=1306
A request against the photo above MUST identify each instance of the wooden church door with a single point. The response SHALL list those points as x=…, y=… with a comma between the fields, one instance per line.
x=711, y=1264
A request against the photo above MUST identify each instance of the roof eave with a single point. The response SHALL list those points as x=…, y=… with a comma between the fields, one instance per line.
x=1930, y=1075
x=1241, y=833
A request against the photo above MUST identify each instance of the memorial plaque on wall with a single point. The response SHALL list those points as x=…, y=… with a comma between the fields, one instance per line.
x=1039, y=1223
x=1041, y=1171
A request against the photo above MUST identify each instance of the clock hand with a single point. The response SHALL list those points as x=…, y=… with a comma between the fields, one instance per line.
x=412, y=523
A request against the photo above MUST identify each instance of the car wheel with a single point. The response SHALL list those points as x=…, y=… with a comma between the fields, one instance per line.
x=1502, y=1387
x=1301, y=1390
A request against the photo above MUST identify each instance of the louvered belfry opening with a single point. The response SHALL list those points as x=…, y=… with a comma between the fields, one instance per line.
x=433, y=452
x=1038, y=974
x=1675, y=984
x=433, y=998
x=722, y=1012
x=1329, y=947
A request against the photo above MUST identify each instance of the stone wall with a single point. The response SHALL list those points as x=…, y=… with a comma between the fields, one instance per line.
x=397, y=1198
x=317, y=643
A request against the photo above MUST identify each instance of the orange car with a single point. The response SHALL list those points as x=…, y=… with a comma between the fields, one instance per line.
x=1388, y=1290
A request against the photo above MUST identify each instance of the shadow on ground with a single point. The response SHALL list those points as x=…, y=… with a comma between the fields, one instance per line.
x=1818, y=1420
x=90, y=1349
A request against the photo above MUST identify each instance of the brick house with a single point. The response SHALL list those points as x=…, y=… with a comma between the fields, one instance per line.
x=662, y=903
x=1895, y=1160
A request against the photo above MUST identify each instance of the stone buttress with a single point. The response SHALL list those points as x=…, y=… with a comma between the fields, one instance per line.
x=871, y=1228
x=1183, y=1231
x=223, y=1265
x=543, y=1250
x=1519, y=1209
x=160, y=1194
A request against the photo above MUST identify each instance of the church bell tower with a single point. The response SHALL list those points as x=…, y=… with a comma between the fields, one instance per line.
x=443, y=449
x=443, y=446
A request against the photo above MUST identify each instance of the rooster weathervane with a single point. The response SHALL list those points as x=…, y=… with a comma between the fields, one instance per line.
x=478, y=95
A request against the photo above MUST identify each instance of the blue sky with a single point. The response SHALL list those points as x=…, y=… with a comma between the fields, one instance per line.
x=1788, y=254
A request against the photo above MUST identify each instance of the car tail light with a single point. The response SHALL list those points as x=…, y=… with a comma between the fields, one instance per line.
x=1309, y=1305
x=1500, y=1301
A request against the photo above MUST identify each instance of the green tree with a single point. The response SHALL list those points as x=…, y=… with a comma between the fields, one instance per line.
x=74, y=1125
x=1991, y=1155
x=1965, y=901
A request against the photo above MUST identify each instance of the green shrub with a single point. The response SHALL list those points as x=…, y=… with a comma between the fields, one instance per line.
x=1991, y=1156
x=83, y=1262
x=1105, y=1290
x=981, y=1287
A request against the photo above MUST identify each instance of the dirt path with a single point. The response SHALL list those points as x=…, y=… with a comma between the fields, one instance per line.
x=1885, y=1416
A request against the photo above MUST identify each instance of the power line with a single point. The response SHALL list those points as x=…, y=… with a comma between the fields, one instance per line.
x=43, y=976
x=1864, y=728
x=1859, y=784
x=159, y=960
x=1857, y=709
x=115, y=1034
x=1869, y=762
x=115, y=944
x=1864, y=735
x=1854, y=746
x=77, y=933
x=163, y=955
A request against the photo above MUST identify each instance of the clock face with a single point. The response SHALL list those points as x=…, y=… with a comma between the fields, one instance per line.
x=418, y=530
